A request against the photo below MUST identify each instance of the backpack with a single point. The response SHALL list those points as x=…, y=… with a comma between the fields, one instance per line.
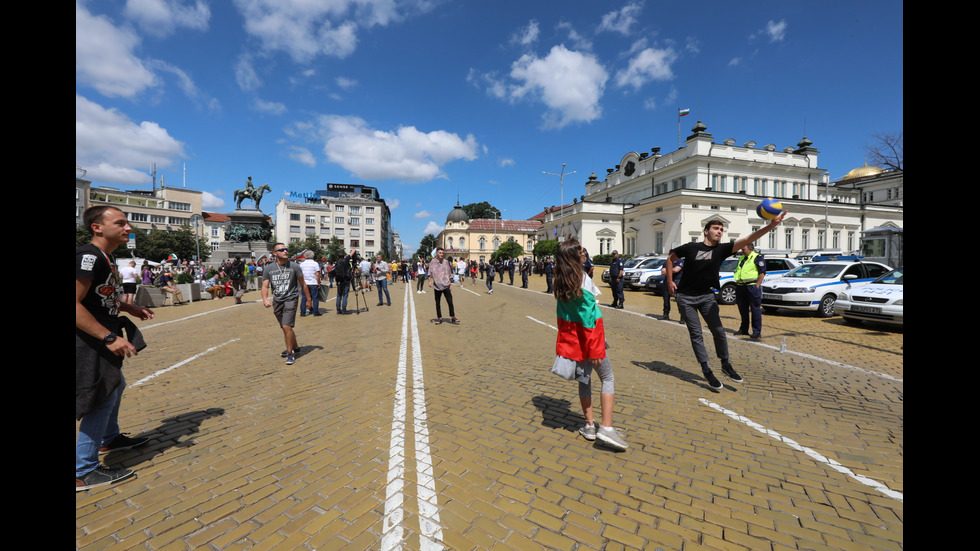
x=342, y=270
x=235, y=270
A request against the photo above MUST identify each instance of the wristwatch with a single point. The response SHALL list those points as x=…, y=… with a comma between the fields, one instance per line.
x=109, y=339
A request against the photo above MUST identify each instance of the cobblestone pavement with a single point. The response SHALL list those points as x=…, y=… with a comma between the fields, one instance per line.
x=391, y=432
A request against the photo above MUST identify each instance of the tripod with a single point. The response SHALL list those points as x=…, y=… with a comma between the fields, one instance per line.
x=355, y=284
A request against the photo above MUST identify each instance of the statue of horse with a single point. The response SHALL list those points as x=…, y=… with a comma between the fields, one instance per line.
x=250, y=192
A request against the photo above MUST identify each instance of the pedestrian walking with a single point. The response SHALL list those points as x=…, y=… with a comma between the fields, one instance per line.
x=695, y=293
x=582, y=340
x=285, y=279
x=441, y=281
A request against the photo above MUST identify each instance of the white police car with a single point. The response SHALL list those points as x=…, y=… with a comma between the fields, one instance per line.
x=815, y=286
x=635, y=278
x=775, y=267
x=631, y=263
x=882, y=300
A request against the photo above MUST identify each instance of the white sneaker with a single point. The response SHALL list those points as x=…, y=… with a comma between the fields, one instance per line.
x=611, y=437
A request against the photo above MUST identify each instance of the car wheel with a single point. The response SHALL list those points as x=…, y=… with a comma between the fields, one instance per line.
x=826, y=308
x=727, y=295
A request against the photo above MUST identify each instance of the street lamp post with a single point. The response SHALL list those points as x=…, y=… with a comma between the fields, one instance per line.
x=561, y=180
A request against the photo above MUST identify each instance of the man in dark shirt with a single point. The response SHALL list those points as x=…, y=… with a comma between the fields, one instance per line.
x=100, y=347
x=695, y=293
x=616, y=280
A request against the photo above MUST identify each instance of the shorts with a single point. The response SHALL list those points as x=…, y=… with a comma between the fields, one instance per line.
x=129, y=288
x=285, y=311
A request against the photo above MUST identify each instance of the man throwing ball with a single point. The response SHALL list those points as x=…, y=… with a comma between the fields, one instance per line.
x=695, y=296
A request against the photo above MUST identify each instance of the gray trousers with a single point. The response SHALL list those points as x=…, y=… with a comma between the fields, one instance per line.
x=707, y=305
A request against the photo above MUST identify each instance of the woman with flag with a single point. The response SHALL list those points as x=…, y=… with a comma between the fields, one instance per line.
x=582, y=340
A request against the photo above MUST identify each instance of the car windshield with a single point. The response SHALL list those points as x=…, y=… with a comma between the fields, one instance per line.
x=894, y=277
x=632, y=263
x=817, y=270
x=729, y=265
x=653, y=263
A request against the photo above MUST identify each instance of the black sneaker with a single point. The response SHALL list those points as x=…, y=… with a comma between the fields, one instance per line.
x=729, y=371
x=713, y=381
x=122, y=442
x=101, y=476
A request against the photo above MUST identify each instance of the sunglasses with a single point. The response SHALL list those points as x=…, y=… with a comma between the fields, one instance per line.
x=281, y=250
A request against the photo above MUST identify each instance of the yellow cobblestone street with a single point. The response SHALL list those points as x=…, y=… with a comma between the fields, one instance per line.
x=391, y=432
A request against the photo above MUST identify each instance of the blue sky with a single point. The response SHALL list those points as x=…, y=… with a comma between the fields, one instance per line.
x=430, y=99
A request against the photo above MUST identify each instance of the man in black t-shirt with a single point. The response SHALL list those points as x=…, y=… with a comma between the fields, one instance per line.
x=695, y=294
x=100, y=347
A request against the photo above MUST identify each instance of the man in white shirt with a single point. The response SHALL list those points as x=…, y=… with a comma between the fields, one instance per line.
x=365, y=267
x=130, y=278
x=381, y=269
x=311, y=275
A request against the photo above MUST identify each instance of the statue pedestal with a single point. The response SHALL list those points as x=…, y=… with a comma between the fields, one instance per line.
x=247, y=235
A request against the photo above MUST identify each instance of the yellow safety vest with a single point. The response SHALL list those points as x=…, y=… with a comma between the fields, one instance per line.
x=747, y=272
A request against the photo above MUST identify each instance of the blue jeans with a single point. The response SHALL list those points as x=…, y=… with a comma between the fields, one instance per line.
x=383, y=285
x=343, y=287
x=98, y=426
x=314, y=298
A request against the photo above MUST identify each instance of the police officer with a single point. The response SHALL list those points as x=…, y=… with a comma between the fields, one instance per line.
x=616, y=280
x=749, y=274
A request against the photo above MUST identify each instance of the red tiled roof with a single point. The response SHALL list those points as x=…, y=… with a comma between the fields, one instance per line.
x=214, y=216
x=489, y=224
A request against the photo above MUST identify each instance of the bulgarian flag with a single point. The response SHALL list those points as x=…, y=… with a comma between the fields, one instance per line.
x=172, y=258
x=581, y=334
x=682, y=112
x=262, y=258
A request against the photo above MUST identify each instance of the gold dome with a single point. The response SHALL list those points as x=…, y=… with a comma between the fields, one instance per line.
x=863, y=171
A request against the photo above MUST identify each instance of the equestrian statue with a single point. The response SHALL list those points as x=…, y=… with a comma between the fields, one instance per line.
x=250, y=192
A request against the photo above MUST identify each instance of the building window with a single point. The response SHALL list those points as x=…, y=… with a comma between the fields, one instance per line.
x=354, y=222
x=496, y=243
x=338, y=220
x=310, y=219
x=788, y=239
x=293, y=229
x=369, y=221
x=294, y=216
x=462, y=243
x=805, y=236
x=338, y=208
x=355, y=210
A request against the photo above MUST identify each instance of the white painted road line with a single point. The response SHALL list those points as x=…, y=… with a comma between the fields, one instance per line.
x=178, y=364
x=430, y=529
x=542, y=323
x=813, y=454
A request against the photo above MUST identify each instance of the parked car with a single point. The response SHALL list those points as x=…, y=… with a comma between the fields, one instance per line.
x=631, y=263
x=882, y=300
x=635, y=278
x=775, y=267
x=815, y=285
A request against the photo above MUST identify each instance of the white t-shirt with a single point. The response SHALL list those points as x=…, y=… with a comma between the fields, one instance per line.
x=310, y=268
x=129, y=274
x=380, y=270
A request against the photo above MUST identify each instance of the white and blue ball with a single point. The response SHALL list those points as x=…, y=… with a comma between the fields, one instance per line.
x=769, y=208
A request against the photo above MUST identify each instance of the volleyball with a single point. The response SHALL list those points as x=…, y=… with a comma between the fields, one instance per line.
x=769, y=208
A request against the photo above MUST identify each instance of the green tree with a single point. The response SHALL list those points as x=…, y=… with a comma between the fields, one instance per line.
x=509, y=249
x=482, y=209
x=335, y=248
x=311, y=243
x=547, y=247
x=427, y=246
x=157, y=245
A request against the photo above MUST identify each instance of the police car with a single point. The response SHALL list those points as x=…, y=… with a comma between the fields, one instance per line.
x=882, y=300
x=814, y=286
x=631, y=263
x=635, y=278
x=775, y=267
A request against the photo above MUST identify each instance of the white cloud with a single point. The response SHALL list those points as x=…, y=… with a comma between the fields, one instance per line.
x=527, y=35
x=776, y=31
x=423, y=214
x=210, y=201
x=393, y=203
x=569, y=83
x=505, y=162
x=649, y=64
x=346, y=83
x=622, y=20
x=109, y=145
x=104, y=57
x=406, y=154
x=433, y=228
x=245, y=75
x=270, y=107
x=302, y=156
x=163, y=17
x=307, y=29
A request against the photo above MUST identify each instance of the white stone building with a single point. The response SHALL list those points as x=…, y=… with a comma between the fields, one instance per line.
x=354, y=214
x=652, y=203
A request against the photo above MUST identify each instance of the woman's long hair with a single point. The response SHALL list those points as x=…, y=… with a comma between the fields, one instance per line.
x=568, y=271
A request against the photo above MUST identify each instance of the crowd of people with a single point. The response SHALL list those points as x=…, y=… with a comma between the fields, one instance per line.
x=291, y=284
